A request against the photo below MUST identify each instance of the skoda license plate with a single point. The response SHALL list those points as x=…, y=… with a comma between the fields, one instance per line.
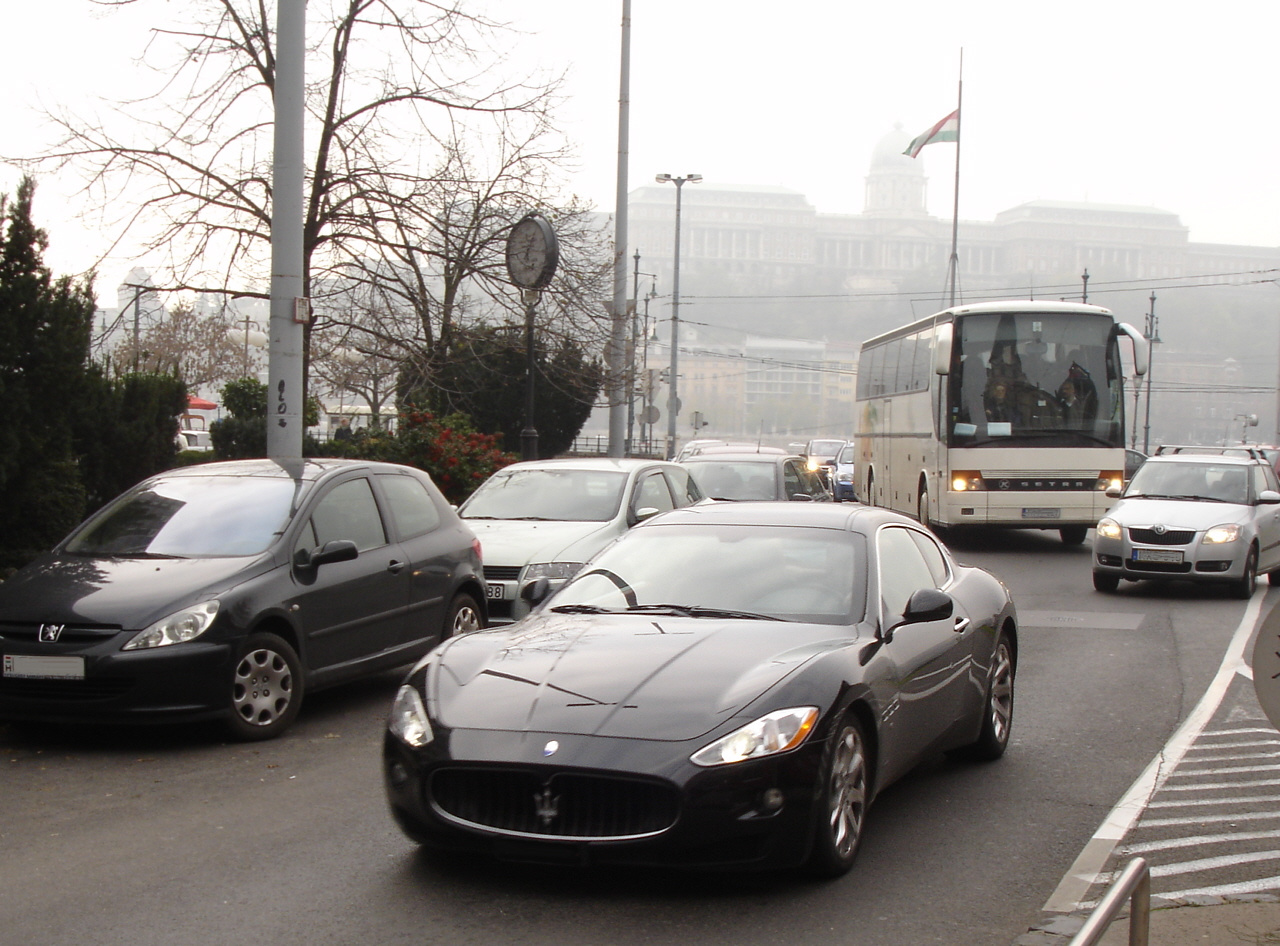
x=1173, y=556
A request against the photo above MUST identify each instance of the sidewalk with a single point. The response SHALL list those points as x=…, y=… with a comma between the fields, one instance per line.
x=1205, y=921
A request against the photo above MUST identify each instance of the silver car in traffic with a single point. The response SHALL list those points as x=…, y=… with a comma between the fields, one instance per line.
x=1187, y=517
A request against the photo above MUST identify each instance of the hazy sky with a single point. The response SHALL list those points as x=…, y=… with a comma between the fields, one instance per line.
x=1121, y=102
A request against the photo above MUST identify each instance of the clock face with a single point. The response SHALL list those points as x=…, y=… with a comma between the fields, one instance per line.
x=532, y=253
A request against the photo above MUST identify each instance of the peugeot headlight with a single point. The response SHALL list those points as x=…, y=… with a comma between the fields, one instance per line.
x=1108, y=529
x=554, y=571
x=408, y=719
x=777, y=732
x=1223, y=533
x=177, y=628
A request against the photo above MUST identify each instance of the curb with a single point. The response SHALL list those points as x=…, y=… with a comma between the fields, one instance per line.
x=1057, y=929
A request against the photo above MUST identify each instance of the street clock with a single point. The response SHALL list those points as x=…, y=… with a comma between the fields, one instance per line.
x=533, y=252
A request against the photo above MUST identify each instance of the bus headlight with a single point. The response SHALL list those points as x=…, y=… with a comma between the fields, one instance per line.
x=967, y=481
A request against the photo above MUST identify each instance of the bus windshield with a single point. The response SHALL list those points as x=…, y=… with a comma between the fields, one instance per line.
x=1035, y=379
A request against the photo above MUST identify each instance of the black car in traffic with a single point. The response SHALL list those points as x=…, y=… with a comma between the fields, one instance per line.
x=229, y=590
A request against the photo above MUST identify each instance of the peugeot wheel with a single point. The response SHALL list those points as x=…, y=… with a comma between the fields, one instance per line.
x=464, y=615
x=266, y=688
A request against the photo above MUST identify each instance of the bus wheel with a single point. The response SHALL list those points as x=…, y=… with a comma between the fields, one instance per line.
x=922, y=508
x=1073, y=535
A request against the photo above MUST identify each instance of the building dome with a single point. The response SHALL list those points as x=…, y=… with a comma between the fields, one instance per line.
x=888, y=154
x=895, y=183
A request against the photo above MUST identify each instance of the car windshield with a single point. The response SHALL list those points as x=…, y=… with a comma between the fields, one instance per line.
x=191, y=516
x=1222, y=482
x=794, y=574
x=734, y=479
x=825, y=448
x=560, y=494
x=846, y=456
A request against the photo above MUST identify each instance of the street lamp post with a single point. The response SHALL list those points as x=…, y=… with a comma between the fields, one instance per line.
x=673, y=400
x=1153, y=336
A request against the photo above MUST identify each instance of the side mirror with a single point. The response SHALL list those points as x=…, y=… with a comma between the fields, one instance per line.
x=1269, y=497
x=1115, y=492
x=645, y=512
x=338, y=550
x=801, y=498
x=538, y=591
x=925, y=604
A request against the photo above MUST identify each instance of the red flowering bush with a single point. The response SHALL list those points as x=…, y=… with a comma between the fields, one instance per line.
x=458, y=458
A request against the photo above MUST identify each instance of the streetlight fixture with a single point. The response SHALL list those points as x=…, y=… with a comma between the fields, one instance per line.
x=673, y=401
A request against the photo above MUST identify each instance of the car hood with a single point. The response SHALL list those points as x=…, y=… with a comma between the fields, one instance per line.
x=625, y=676
x=125, y=592
x=1178, y=513
x=516, y=542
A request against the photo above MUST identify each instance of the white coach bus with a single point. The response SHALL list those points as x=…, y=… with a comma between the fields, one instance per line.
x=1001, y=414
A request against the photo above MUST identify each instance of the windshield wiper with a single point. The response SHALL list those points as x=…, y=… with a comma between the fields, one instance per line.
x=699, y=611
x=583, y=609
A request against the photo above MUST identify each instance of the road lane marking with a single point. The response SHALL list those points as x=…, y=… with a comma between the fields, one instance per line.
x=1088, y=866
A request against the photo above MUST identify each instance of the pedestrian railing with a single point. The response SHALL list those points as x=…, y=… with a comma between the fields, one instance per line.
x=1134, y=885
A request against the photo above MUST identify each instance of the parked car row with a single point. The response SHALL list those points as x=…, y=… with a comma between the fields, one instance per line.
x=613, y=660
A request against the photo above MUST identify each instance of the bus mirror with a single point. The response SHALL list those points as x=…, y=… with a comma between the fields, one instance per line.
x=942, y=349
x=1140, y=351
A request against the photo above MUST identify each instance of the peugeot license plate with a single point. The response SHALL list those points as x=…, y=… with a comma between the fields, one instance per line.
x=495, y=591
x=43, y=668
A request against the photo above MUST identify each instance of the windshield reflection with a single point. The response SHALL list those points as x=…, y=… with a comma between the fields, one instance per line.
x=568, y=495
x=811, y=575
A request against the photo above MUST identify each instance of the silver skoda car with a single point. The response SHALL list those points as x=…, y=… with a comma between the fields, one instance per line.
x=1186, y=517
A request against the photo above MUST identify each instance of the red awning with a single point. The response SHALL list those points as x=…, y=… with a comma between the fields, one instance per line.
x=199, y=403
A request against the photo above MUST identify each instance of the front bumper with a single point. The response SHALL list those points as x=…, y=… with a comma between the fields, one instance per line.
x=601, y=801
x=1191, y=560
x=181, y=682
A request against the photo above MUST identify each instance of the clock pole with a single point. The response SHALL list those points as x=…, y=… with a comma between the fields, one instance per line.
x=529, y=435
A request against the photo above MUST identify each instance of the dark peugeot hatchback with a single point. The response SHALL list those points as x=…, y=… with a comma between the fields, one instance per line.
x=229, y=590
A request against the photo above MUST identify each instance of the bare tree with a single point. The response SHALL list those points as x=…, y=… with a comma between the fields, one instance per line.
x=381, y=74
x=438, y=264
x=202, y=349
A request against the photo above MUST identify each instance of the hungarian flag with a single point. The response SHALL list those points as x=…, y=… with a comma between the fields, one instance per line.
x=946, y=130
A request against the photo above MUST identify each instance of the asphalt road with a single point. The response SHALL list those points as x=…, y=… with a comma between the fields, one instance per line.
x=175, y=836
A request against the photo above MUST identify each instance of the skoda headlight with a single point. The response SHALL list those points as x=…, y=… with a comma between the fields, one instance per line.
x=554, y=571
x=408, y=719
x=777, y=732
x=177, y=628
x=1220, y=534
x=1108, y=529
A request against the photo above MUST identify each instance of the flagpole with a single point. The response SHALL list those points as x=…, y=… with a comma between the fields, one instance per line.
x=954, y=263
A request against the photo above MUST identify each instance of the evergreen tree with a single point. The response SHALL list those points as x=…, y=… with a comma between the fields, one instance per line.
x=45, y=326
x=485, y=379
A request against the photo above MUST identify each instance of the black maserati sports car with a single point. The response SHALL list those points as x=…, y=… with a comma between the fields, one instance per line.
x=726, y=685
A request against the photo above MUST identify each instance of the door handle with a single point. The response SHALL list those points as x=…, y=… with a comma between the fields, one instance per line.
x=961, y=624
x=394, y=567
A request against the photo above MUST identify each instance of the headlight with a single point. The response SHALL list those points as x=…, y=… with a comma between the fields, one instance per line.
x=844, y=478
x=556, y=571
x=966, y=481
x=408, y=719
x=177, y=628
x=1108, y=529
x=779, y=731
x=812, y=463
x=1220, y=534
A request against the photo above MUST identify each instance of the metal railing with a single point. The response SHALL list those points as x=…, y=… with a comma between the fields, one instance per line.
x=1133, y=884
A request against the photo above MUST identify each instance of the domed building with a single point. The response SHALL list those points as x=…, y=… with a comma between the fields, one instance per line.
x=896, y=182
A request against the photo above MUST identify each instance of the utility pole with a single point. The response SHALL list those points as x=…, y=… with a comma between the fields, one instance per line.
x=1153, y=336
x=289, y=308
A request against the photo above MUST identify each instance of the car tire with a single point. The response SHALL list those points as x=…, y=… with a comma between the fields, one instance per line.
x=265, y=688
x=1102, y=581
x=1244, y=586
x=1073, y=535
x=842, y=800
x=1273, y=578
x=997, y=715
x=464, y=616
